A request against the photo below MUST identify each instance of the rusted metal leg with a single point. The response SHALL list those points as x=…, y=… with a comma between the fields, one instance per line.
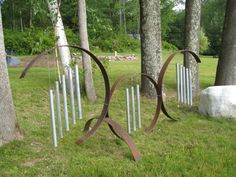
x=166, y=113
x=88, y=123
x=125, y=136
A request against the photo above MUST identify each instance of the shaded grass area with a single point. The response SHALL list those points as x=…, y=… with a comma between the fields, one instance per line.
x=193, y=146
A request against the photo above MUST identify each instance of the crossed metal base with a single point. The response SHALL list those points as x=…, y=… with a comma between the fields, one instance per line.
x=104, y=116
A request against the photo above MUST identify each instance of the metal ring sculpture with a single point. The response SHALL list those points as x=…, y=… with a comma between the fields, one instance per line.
x=161, y=105
x=104, y=116
x=114, y=87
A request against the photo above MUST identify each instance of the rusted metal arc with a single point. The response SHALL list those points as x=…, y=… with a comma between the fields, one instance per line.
x=116, y=83
x=106, y=100
x=159, y=98
x=135, y=152
x=160, y=81
x=165, y=112
x=88, y=123
x=106, y=81
x=31, y=63
x=121, y=78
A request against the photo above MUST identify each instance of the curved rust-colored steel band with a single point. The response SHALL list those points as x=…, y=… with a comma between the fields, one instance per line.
x=31, y=63
x=116, y=83
x=164, y=68
x=88, y=123
x=106, y=100
x=166, y=113
x=160, y=81
x=114, y=131
x=160, y=105
x=106, y=81
x=135, y=152
x=158, y=108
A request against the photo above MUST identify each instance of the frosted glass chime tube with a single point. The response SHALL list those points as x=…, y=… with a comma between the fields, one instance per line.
x=54, y=134
x=138, y=106
x=133, y=108
x=78, y=91
x=58, y=103
x=65, y=102
x=128, y=110
x=71, y=86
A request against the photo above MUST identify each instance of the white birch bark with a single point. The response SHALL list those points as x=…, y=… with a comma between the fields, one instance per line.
x=60, y=34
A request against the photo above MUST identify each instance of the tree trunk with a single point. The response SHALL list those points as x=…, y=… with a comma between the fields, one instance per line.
x=124, y=17
x=226, y=69
x=192, y=31
x=21, y=22
x=7, y=113
x=89, y=86
x=60, y=34
x=120, y=13
x=138, y=20
x=31, y=14
x=151, y=58
x=13, y=16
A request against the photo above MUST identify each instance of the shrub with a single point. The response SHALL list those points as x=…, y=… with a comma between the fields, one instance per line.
x=116, y=42
x=204, y=44
x=31, y=41
x=168, y=46
x=34, y=40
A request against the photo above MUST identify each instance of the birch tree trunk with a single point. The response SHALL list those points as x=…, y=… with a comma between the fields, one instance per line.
x=151, y=57
x=192, y=32
x=88, y=78
x=7, y=113
x=60, y=34
x=226, y=69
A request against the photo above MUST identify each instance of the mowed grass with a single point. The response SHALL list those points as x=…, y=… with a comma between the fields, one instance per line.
x=195, y=145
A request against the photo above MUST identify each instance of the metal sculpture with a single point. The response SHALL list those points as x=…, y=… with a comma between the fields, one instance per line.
x=109, y=92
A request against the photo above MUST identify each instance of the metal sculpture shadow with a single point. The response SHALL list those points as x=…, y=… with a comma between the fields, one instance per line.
x=104, y=116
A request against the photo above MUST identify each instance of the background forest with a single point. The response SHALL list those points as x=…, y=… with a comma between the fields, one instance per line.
x=113, y=25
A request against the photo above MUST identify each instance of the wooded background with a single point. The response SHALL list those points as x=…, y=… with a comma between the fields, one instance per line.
x=28, y=29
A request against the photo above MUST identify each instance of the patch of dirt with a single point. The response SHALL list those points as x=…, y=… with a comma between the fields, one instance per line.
x=32, y=162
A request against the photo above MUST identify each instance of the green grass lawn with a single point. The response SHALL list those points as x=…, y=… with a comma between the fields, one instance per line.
x=193, y=146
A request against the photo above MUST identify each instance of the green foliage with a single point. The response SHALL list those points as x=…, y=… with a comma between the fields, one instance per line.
x=34, y=40
x=31, y=41
x=168, y=46
x=119, y=42
x=212, y=22
x=167, y=16
x=104, y=24
x=204, y=44
x=175, y=35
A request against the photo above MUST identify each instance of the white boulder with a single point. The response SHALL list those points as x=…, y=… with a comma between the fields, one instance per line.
x=218, y=101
